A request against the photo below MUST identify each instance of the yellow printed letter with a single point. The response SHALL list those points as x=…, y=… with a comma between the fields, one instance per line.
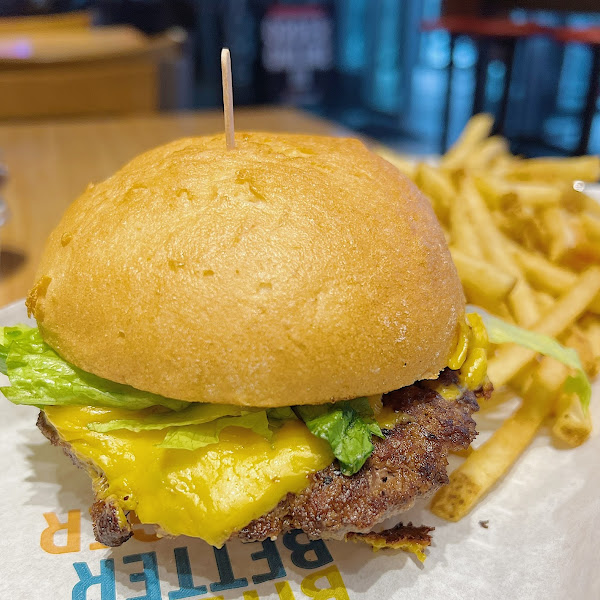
x=72, y=527
x=284, y=590
x=335, y=591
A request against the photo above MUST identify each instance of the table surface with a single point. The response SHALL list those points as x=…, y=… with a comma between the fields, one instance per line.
x=50, y=164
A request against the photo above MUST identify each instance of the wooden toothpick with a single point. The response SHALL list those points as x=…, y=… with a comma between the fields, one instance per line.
x=227, y=98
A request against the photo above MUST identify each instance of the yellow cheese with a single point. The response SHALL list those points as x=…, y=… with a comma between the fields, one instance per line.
x=449, y=392
x=388, y=418
x=207, y=493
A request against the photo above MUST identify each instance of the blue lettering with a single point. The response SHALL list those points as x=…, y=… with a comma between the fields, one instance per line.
x=106, y=580
x=149, y=575
x=300, y=550
x=271, y=555
x=227, y=582
x=184, y=576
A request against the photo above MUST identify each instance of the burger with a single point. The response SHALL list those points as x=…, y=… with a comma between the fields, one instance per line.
x=236, y=343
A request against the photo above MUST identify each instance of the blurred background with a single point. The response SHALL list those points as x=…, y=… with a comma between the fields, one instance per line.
x=407, y=72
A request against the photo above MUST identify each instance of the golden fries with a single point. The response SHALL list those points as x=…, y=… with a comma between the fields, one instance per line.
x=488, y=151
x=578, y=339
x=462, y=233
x=438, y=187
x=485, y=465
x=526, y=245
x=536, y=195
x=510, y=359
x=584, y=168
x=560, y=237
x=405, y=164
x=573, y=425
x=494, y=190
x=481, y=279
x=475, y=132
x=521, y=300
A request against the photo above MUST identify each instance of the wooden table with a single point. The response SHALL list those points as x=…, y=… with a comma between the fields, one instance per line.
x=50, y=164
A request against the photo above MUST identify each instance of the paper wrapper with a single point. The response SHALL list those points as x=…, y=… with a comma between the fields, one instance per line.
x=540, y=541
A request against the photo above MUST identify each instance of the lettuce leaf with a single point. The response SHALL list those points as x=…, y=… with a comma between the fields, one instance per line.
x=192, y=437
x=500, y=332
x=3, y=352
x=347, y=426
x=281, y=413
x=193, y=414
x=39, y=377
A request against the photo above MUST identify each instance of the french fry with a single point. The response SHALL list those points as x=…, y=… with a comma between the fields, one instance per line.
x=591, y=328
x=542, y=273
x=463, y=453
x=404, y=164
x=510, y=359
x=504, y=313
x=518, y=223
x=486, y=465
x=490, y=239
x=438, y=186
x=584, y=168
x=544, y=301
x=537, y=194
x=591, y=226
x=482, y=279
x=502, y=164
x=499, y=397
x=487, y=151
x=494, y=190
x=546, y=276
x=560, y=237
x=521, y=300
x=572, y=426
x=577, y=339
x=462, y=232
x=577, y=201
x=476, y=130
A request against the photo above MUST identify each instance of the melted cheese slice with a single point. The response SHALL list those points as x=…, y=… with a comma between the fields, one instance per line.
x=207, y=493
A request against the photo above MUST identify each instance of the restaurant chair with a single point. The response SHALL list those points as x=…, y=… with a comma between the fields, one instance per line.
x=487, y=32
x=591, y=38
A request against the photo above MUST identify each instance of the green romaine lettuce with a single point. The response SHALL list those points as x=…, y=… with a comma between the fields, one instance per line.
x=500, y=332
x=3, y=352
x=39, y=377
x=192, y=437
x=347, y=426
x=282, y=413
x=193, y=414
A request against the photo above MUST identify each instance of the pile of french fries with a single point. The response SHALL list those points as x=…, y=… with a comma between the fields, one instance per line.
x=526, y=244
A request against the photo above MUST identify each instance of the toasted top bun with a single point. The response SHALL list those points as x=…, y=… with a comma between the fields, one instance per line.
x=290, y=270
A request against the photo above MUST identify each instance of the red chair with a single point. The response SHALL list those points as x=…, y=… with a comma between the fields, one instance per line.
x=590, y=37
x=498, y=31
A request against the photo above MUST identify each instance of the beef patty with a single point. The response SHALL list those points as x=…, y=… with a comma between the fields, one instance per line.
x=408, y=463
